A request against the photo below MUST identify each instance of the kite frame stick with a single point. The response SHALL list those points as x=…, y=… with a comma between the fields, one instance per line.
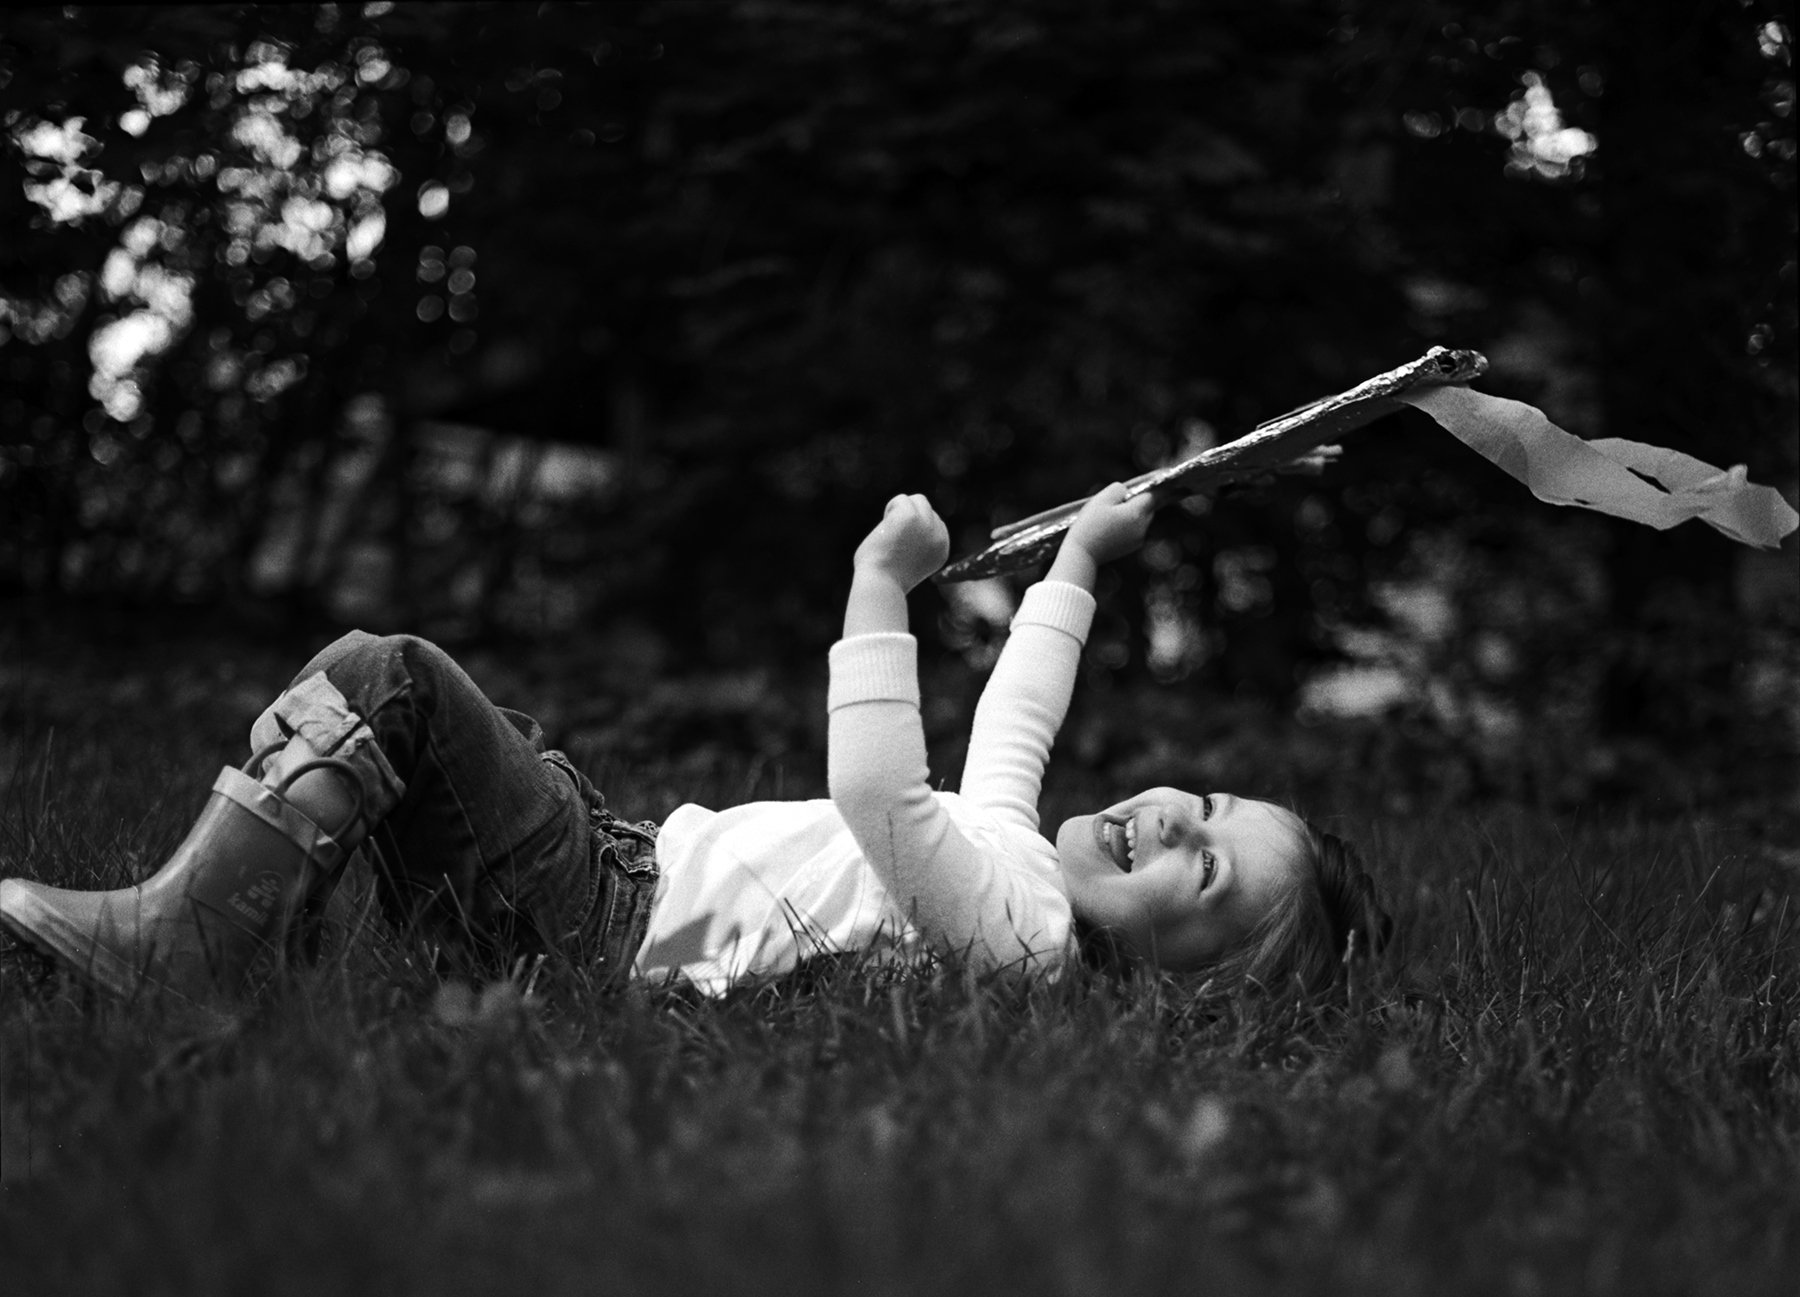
x=1299, y=435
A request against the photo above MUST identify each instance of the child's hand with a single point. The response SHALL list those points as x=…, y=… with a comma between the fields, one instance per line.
x=1109, y=526
x=908, y=544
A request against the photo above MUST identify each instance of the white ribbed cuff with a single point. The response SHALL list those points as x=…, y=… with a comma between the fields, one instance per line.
x=882, y=667
x=1060, y=605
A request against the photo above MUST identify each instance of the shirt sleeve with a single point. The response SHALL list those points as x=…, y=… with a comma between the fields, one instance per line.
x=1025, y=701
x=961, y=897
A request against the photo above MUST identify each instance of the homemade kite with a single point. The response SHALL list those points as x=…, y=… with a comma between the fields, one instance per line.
x=1628, y=479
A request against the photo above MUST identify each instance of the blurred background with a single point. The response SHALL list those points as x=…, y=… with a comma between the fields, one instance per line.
x=588, y=339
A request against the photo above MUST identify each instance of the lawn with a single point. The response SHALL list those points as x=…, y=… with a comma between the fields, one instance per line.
x=1579, y=1073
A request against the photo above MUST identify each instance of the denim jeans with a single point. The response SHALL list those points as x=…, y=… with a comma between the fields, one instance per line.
x=486, y=844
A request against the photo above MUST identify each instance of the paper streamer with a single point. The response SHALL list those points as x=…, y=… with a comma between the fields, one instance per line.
x=1561, y=468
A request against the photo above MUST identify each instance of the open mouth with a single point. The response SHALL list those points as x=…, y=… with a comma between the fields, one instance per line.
x=1118, y=840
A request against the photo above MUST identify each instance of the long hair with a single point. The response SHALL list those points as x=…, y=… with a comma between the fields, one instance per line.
x=1328, y=919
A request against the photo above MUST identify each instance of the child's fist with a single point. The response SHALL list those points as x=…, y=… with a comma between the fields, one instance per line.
x=1110, y=526
x=909, y=543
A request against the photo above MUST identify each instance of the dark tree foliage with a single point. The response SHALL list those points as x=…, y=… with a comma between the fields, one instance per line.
x=779, y=261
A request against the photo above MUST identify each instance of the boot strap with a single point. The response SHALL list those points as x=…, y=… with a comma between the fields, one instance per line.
x=347, y=771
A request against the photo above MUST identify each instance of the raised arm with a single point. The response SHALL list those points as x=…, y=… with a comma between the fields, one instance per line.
x=959, y=896
x=1028, y=695
x=1109, y=526
x=908, y=545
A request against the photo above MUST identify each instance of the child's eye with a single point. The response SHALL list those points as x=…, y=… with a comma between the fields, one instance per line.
x=1206, y=807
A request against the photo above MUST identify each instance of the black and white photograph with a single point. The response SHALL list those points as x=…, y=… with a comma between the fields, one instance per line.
x=879, y=647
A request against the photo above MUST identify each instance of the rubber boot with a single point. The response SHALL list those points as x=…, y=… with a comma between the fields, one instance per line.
x=230, y=892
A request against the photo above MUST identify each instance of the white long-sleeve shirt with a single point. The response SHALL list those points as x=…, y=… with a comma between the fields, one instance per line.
x=886, y=863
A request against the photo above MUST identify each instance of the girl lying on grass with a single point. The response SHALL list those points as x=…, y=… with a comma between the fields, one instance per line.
x=495, y=847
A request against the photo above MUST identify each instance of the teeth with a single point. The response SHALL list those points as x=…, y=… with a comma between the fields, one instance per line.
x=1121, y=840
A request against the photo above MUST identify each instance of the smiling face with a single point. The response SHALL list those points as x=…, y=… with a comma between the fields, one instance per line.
x=1183, y=877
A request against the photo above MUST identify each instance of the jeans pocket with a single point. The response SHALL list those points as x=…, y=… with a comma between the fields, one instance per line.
x=635, y=844
x=627, y=877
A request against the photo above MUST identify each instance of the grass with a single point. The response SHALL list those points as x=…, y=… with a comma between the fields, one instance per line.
x=1580, y=1074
